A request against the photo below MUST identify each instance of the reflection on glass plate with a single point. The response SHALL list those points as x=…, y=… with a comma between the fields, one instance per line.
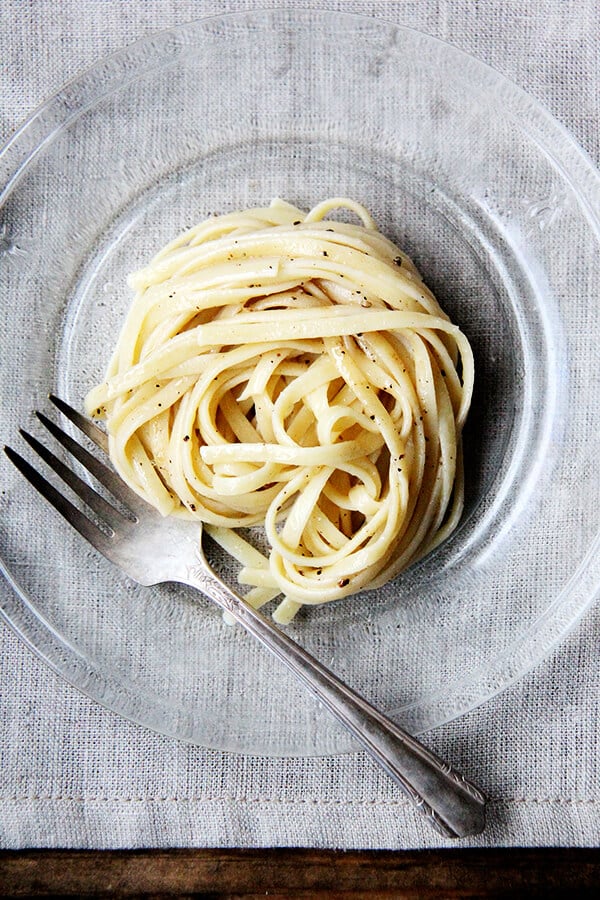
x=496, y=206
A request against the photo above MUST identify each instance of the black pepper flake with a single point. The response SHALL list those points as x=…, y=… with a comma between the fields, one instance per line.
x=160, y=404
x=329, y=229
x=187, y=437
x=193, y=507
x=297, y=222
x=398, y=261
x=343, y=582
x=443, y=373
x=372, y=418
x=325, y=253
x=319, y=571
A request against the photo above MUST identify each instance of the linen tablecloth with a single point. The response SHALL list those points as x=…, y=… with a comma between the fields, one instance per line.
x=77, y=775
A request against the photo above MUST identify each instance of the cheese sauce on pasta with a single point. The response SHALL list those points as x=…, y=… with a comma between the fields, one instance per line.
x=284, y=370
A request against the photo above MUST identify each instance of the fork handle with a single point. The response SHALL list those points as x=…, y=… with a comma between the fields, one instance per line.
x=454, y=806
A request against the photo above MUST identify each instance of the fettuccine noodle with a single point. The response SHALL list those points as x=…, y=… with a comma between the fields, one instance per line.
x=280, y=369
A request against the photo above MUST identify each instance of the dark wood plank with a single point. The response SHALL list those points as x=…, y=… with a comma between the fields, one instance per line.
x=283, y=873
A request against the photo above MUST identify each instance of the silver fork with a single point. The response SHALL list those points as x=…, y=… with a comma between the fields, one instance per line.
x=152, y=549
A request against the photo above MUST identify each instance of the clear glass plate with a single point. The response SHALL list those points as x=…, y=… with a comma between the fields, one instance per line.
x=499, y=209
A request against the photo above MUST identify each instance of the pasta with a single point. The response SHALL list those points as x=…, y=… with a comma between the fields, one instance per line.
x=283, y=370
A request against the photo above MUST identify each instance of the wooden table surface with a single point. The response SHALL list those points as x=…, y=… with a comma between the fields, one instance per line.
x=281, y=873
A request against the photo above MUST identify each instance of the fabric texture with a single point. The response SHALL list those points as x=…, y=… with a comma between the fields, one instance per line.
x=78, y=775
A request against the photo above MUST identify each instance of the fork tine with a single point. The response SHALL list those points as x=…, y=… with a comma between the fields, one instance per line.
x=83, y=490
x=74, y=516
x=105, y=476
x=89, y=428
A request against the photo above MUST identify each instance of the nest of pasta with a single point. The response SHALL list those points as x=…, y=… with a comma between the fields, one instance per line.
x=283, y=370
